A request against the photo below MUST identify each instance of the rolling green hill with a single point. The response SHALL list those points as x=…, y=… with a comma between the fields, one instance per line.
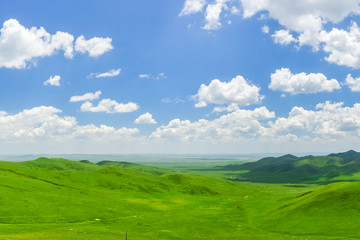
x=328, y=210
x=63, y=199
x=308, y=169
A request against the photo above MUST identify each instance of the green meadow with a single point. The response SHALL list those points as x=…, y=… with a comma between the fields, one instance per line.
x=54, y=198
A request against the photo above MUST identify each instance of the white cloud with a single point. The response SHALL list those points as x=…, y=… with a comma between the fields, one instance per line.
x=53, y=80
x=307, y=18
x=238, y=124
x=235, y=10
x=343, y=46
x=303, y=21
x=329, y=126
x=63, y=41
x=91, y=129
x=21, y=46
x=35, y=122
x=145, y=118
x=175, y=100
x=213, y=13
x=192, y=6
x=265, y=29
x=330, y=120
x=42, y=129
x=283, y=80
x=109, y=106
x=283, y=37
x=353, y=83
x=252, y=7
x=304, y=17
x=230, y=108
x=110, y=73
x=94, y=47
x=238, y=91
x=156, y=76
x=86, y=97
x=212, y=16
x=145, y=75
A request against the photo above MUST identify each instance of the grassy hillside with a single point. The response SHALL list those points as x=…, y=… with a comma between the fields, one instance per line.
x=62, y=199
x=329, y=210
x=307, y=169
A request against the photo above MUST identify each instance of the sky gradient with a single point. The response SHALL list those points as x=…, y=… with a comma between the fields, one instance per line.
x=187, y=76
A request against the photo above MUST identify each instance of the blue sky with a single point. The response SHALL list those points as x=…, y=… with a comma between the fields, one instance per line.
x=187, y=76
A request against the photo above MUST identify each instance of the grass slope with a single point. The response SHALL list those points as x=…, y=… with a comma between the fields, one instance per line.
x=329, y=210
x=62, y=199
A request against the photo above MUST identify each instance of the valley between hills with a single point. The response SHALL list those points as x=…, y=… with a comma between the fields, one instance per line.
x=287, y=197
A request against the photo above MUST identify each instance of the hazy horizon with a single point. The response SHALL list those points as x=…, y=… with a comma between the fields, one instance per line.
x=157, y=158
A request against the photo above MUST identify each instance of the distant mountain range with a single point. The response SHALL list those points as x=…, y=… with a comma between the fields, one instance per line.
x=308, y=169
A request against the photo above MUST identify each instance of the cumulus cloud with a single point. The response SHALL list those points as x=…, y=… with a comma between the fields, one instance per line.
x=91, y=130
x=212, y=16
x=63, y=41
x=333, y=11
x=353, y=83
x=213, y=11
x=110, y=73
x=283, y=37
x=330, y=124
x=86, y=97
x=329, y=120
x=35, y=122
x=44, y=121
x=192, y=6
x=94, y=47
x=238, y=124
x=109, y=106
x=303, y=17
x=53, y=80
x=306, y=20
x=21, y=46
x=343, y=46
x=303, y=21
x=283, y=80
x=43, y=128
x=145, y=118
x=237, y=91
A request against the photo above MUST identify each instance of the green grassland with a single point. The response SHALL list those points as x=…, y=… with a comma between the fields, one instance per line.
x=63, y=199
